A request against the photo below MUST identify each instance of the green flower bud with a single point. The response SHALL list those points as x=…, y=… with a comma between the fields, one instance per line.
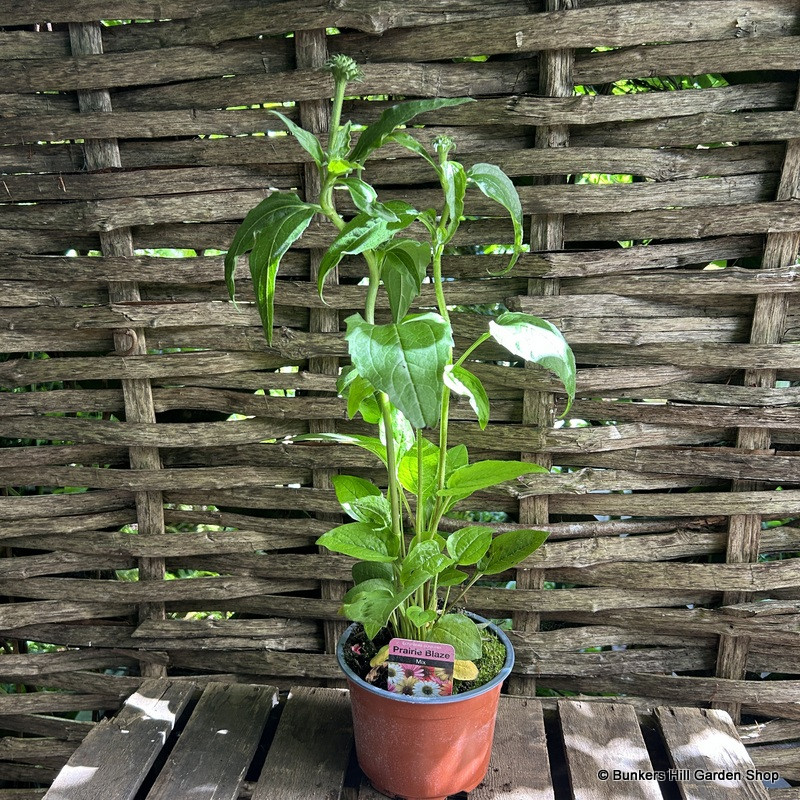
x=343, y=68
x=443, y=145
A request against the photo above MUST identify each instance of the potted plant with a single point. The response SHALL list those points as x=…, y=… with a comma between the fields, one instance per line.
x=407, y=577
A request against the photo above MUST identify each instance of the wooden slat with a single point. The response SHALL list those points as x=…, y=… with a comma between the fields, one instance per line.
x=311, y=749
x=706, y=740
x=116, y=756
x=518, y=767
x=215, y=749
x=605, y=737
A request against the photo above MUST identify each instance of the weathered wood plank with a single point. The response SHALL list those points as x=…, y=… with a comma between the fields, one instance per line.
x=615, y=26
x=311, y=749
x=604, y=737
x=705, y=740
x=213, y=753
x=115, y=757
x=693, y=130
x=519, y=754
x=690, y=59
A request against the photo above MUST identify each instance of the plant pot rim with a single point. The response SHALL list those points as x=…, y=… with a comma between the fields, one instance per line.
x=427, y=701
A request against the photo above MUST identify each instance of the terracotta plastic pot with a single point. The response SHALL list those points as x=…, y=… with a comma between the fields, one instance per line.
x=424, y=748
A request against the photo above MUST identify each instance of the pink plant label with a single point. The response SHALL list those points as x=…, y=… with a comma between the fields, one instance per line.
x=420, y=669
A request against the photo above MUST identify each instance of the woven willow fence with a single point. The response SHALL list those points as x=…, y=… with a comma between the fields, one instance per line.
x=170, y=420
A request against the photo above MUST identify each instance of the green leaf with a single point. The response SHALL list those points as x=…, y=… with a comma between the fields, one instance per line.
x=454, y=183
x=376, y=134
x=404, y=435
x=508, y=549
x=349, y=488
x=461, y=632
x=419, y=617
x=426, y=536
x=362, y=500
x=364, y=196
x=360, y=540
x=364, y=232
x=367, y=570
x=497, y=186
x=268, y=231
x=305, y=139
x=381, y=585
x=341, y=166
x=483, y=474
x=371, y=609
x=407, y=469
x=420, y=565
x=451, y=577
x=463, y=382
x=469, y=545
x=457, y=457
x=405, y=264
x=405, y=360
x=538, y=341
x=367, y=442
x=358, y=391
x=410, y=143
x=376, y=511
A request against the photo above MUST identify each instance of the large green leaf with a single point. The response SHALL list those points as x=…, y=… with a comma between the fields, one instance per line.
x=367, y=442
x=376, y=134
x=367, y=570
x=359, y=540
x=268, y=231
x=538, y=341
x=469, y=545
x=379, y=584
x=497, y=186
x=481, y=475
x=508, y=549
x=463, y=382
x=405, y=264
x=405, y=360
x=371, y=608
x=305, y=138
x=461, y=632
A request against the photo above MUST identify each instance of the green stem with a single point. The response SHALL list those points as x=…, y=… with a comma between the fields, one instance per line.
x=477, y=576
x=336, y=116
x=326, y=200
x=420, y=523
x=391, y=459
x=474, y=346
x=438, y=509
x=374, y=283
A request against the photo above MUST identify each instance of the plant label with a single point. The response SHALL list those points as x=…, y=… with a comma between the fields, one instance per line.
x=420, y=669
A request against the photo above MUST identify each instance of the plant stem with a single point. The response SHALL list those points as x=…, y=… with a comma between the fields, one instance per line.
x=374, y=283
x=391, y=466
x=336, y=115
x=438, y=509
x=420, y=524
x=474, y=346
x=477, y=576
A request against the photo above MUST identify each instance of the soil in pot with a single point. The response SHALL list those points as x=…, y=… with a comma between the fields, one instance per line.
x=359, y=651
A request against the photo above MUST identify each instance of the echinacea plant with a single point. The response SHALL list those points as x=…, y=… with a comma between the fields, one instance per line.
x=402, y=373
